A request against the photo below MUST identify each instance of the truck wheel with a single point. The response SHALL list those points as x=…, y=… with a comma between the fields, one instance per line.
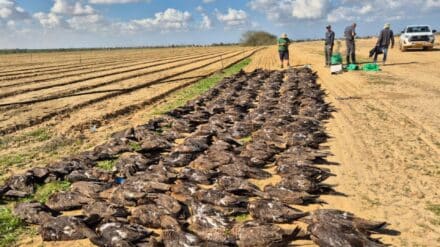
x=402, y=48
x=427, y=48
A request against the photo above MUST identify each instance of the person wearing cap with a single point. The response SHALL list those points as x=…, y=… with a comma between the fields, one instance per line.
x=386, y=37
x=350, y=34
x=283, y=49
x=329, y=43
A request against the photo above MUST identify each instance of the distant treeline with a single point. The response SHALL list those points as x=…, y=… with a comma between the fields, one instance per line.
x=257, y=38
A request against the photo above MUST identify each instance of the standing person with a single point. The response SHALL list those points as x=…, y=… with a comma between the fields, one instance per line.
x=283, y=49
x=329, y=43
x=350, y=34
x=386, y=37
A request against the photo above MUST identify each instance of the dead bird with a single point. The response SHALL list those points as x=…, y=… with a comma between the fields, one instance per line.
x=20, y=185
x=198, y=176
x=112, y=148
x=166, y=202
x=148, y=215
x=63, y=228
x=239, y=168
x=194, y=144
x=212, y=159
x=104, y=210
x=331, y=227
x=119, y=234
x=238, y=186
x=271, y=211
x=347, y=219
x=66, y=200
x=257, y=234
x=155, y=143
x=130, y=163
x=183, y=190
x=176, y=237
x=316, y=174
x=177, y=159
x=89, y=189
x=210, y=224
x=93, y=174
x=302, y=183
x=33, y=212
x=289, y=196
x=220, y=198
x=333, y=234
x=134, y=191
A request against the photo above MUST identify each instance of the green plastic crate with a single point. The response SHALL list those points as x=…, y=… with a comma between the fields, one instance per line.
x=336, y=59
x=352, y=67
x=371, y=67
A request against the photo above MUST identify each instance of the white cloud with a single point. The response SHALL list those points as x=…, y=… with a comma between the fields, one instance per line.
x=49, y=20
x=233, y=17
x=200, y=9
x=71, y=7
x=93, y=22
x=116, y=1
x=310, y=9
x=170, y=19
x=290, y=11
x=9, y=10
x=208, y=1
x=206, y=22
x=433, y=3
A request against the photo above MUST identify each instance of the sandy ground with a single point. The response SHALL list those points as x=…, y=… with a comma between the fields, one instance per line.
x=385, y=137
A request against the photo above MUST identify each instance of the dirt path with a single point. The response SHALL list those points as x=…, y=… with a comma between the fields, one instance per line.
x=386, y=133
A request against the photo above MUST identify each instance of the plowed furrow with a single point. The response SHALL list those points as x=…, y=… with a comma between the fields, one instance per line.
x=92, y=100
x=95, y=66
x=139, y=65
x=119, y=74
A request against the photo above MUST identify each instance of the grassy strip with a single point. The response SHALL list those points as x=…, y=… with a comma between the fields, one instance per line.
x=107, y=165
x=191, y=92
x=37, y=135
x=10, y=227
x=44, y=191
x=435, y=208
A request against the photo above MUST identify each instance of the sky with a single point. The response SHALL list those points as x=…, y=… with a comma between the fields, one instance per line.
x=37, y=24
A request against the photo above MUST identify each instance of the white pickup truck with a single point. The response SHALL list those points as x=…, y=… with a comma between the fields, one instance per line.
x=417, y=36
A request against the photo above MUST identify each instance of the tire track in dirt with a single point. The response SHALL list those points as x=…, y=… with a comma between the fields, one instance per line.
x=62, y=111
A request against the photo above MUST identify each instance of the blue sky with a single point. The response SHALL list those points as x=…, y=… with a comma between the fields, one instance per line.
x=99, y=23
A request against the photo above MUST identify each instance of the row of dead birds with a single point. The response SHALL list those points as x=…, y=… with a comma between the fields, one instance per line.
x=190, y=177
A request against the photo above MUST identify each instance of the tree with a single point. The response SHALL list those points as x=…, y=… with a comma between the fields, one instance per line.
x=256, y=38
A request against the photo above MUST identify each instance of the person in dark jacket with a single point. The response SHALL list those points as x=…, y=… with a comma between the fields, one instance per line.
x=329, y=43
x=283, y=49
x=350, y=34
x=386, y=37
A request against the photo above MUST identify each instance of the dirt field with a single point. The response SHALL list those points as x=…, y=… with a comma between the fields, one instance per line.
x=386, y=133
